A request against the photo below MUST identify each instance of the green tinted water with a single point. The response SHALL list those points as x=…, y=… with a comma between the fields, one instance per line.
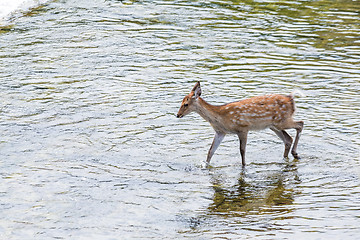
x=91, y=148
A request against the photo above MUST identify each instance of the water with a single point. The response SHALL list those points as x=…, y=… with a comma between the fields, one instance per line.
x=10, y=10
x=91, y=148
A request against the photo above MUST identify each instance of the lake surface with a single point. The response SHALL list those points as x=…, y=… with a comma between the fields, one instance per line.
x=90, y=147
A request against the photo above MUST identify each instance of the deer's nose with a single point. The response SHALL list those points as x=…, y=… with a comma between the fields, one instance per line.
x=178, y=116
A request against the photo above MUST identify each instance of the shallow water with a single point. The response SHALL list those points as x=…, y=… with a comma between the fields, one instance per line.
x=91, y=148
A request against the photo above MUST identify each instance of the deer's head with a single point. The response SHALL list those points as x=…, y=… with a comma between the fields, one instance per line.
x=187, y=105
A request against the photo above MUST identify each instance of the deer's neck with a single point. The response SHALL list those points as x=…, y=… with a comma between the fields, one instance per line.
x=207, y=111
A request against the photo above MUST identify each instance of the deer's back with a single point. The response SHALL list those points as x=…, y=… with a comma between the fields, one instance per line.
x=258, y=112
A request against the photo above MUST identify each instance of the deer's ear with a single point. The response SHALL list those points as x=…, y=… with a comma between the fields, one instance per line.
x=196, y=90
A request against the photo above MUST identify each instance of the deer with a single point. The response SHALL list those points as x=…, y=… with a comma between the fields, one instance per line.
x=273, y=111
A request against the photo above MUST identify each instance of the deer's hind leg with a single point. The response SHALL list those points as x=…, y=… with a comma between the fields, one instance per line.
x=299, y=127
x=285, y=137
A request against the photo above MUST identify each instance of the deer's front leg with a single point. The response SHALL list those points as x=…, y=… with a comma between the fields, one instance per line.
x=243, y=139
x=219, y=136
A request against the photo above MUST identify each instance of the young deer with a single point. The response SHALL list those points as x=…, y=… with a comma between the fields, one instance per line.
x=269, y=111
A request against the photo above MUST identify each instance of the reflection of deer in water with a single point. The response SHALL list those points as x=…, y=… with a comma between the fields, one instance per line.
x=259, y=197
x=269, y=111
